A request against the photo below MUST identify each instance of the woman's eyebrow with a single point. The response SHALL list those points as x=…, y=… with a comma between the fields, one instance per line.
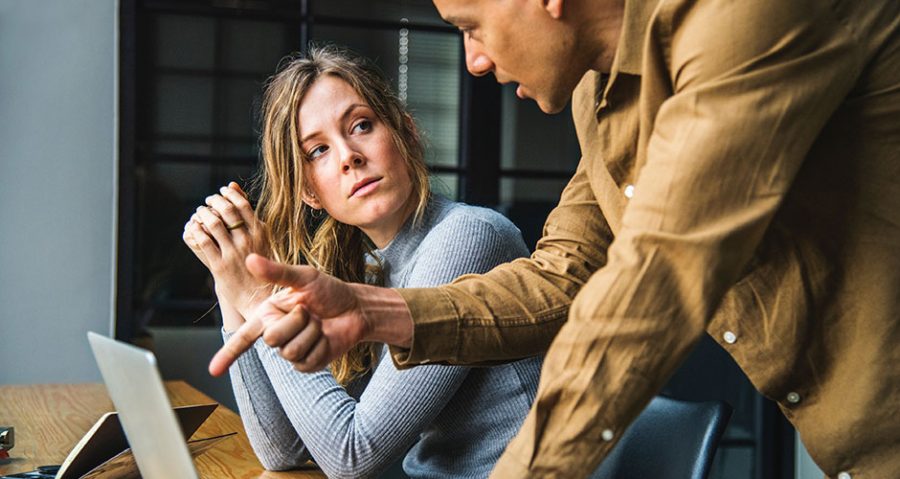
x=350, y=109
x=344, y=116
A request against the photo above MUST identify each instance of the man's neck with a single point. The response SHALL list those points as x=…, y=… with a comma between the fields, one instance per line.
x=604, y=29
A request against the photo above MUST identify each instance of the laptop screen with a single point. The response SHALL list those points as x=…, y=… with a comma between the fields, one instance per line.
x=136, y=388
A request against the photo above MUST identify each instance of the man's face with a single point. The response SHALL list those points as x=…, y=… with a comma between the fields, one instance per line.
x=519, y=41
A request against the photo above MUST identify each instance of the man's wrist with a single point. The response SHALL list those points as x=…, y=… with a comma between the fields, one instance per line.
x=385, y=316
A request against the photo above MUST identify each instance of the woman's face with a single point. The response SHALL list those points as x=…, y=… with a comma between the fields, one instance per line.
x=354, y=171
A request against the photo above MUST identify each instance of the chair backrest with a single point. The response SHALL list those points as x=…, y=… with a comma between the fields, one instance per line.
x=670, y=439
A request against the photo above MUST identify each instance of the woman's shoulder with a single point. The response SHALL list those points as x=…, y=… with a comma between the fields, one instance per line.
x=458, y=239
x=463, y=219
x=457, y=227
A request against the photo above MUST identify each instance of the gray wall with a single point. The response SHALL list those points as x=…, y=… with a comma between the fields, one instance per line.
x=57, y=185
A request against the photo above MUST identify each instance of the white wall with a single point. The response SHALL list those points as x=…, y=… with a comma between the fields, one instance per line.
x=57, y=185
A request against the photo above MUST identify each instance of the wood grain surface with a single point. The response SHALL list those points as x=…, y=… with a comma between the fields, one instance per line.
x=50, y=418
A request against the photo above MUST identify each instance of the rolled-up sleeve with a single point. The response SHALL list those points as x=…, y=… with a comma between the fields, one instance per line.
x=514, y=310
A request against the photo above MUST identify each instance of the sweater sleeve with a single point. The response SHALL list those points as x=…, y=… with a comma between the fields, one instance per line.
x=274, y=440
x=350, y=438
x=360, y=438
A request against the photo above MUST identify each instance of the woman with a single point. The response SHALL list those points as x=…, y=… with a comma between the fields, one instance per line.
x=341, y=152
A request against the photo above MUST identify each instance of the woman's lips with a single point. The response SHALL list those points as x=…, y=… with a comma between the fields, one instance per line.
x=365, y=186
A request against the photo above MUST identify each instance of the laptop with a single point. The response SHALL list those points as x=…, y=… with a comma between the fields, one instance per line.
x=156, y=433
x=136, y=388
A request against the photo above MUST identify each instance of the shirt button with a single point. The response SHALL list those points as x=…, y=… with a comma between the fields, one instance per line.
x=729, y=337
x=794, y=398
x=607, y=435
x=629, y=191
x=845, y=475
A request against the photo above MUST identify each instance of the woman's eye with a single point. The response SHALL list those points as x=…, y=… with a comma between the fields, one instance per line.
x=317, y=151
x=362, y=126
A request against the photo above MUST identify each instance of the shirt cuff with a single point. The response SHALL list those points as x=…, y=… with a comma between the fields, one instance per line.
x=436, y=331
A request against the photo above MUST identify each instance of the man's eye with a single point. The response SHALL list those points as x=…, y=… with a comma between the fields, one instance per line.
x=317, y=151
x=468, y=33
x=362, y=126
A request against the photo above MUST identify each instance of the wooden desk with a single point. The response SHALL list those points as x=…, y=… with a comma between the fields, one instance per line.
x=50, y=419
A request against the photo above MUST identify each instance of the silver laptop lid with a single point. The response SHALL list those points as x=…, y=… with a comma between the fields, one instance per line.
x=137, y=390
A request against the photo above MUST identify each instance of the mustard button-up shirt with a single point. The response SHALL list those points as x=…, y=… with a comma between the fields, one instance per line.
x=740, y=177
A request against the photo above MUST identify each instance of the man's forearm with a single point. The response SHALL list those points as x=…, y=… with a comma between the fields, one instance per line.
x=386, y=315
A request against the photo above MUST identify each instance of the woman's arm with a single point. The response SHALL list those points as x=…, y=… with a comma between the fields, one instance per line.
x=350, y=438
x=274, y=439
x=222, y=234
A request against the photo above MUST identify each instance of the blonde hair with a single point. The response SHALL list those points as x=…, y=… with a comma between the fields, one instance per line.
x=297, y=236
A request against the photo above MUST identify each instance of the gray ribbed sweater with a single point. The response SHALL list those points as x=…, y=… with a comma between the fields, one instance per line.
x=456, y=420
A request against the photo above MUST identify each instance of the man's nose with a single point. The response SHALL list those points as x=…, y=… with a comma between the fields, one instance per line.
x=477, y=61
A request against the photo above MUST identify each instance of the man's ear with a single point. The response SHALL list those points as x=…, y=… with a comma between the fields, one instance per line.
x=554, y=8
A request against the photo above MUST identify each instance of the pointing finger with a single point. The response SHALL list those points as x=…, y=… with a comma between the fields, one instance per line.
x=241, y=341
x=280, y=274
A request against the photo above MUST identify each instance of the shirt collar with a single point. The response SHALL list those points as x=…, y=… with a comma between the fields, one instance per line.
x=630, y=51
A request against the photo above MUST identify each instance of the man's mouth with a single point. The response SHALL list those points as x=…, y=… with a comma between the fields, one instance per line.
x=520, y=92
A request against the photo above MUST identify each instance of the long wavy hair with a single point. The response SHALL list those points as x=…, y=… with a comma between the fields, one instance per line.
x=298, y=234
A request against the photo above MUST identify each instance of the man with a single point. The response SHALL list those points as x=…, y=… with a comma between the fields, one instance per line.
x=740, y=176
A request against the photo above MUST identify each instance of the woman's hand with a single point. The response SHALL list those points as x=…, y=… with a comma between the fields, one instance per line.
x=222, y=234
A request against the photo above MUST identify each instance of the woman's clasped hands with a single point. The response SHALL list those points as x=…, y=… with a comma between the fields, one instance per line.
x=222, y=233
x=227, y=236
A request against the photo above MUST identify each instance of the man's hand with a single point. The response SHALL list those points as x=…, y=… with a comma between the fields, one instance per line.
x=316, y=319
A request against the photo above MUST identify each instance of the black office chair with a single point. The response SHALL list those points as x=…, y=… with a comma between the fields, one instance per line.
x=670, y=439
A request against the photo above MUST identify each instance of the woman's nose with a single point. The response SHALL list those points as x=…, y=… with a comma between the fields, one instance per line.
x=352, y=160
